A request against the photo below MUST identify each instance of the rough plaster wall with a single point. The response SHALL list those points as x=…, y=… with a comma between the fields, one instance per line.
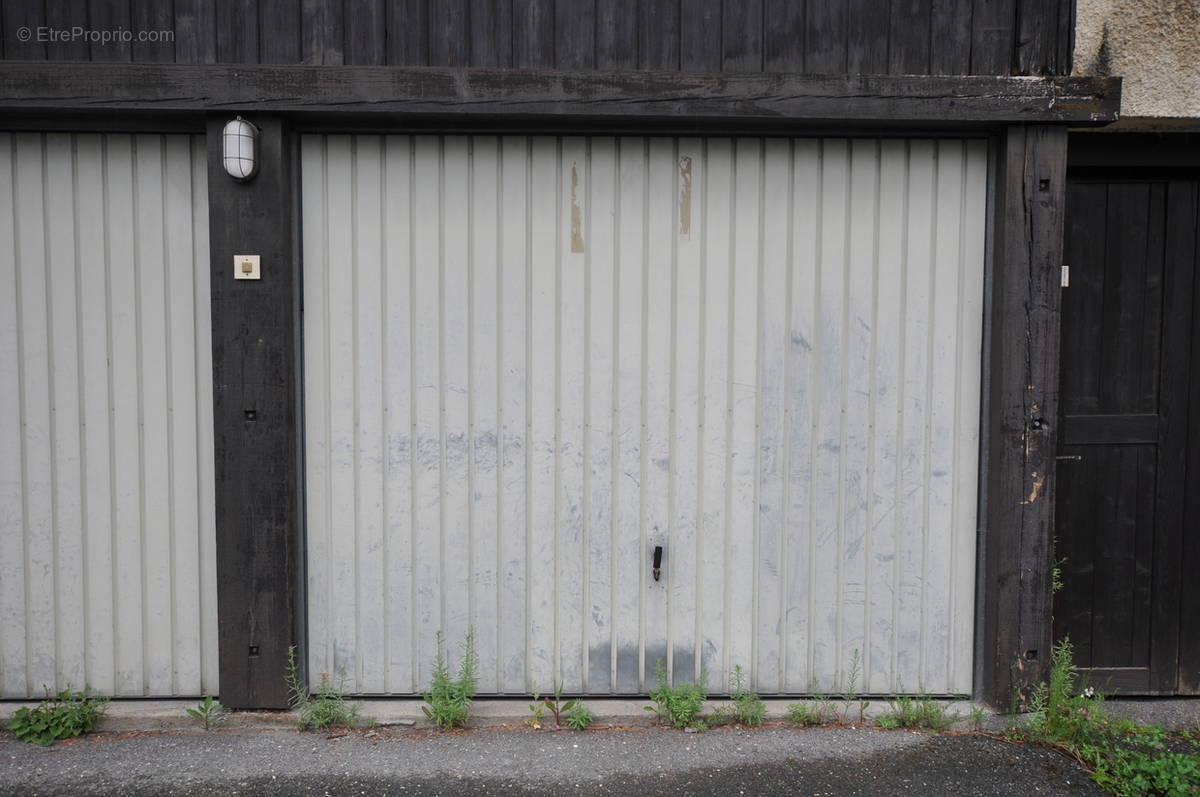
x=1153, y=44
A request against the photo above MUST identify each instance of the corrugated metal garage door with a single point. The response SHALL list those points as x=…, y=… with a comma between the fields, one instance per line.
x=106, y=467
x=529, y=361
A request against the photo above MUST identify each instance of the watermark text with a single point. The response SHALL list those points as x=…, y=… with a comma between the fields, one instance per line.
x=45, y=34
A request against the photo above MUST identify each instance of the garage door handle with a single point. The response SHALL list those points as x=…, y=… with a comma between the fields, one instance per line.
x=1074, y=457
x=657, y=569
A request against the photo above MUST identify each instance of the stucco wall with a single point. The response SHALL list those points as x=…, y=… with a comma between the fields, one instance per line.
x=1154, y=45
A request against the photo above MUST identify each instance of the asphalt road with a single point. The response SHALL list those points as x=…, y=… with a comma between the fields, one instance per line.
x=728, y=762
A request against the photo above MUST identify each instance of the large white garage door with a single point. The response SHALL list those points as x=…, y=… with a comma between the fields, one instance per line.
x=107, y=565
x=529, y=362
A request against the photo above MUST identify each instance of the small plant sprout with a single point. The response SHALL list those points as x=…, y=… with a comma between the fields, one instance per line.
x=557, y=707
x=850, y=688
x=297, y=691
x=207, y=711
x=749, y=707
x=579, y=716
x=448, y=701
x=538, y=709
x=678, y=705
x=977, y=718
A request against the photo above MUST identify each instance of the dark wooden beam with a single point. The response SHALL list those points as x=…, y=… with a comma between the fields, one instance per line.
x=1020, y=412
x=255, y=329
x=533, y=93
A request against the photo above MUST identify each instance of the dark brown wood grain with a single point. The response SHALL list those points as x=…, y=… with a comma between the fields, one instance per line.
x=255, y=329
x=1020, y=410
x=1123, y=488
x=486, y=93
x=996, y=37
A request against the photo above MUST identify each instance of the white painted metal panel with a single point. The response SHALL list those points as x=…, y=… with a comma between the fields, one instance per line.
x=107, y=542
x=531, y=360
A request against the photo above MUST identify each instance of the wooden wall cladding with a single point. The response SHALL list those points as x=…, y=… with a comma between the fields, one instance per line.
x=912, y=37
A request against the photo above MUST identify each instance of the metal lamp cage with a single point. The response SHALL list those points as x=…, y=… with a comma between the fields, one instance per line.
x=239, y=143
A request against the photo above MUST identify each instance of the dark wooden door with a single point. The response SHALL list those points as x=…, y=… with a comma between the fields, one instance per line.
x=1124, y=523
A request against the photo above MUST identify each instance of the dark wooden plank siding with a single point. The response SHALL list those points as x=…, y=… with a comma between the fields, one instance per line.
x=869, y=27
x=449, y=33
x=279, y=23
x=700, y=36
x=152, y=16
x=658, y=34
x=63, y=14
x=533, y=34
x=237, y=31
x=407, y=32
x=1189, y=631
x=322, y=32
x=992, y=36
x=944, y=37
x=742, y=37
x=575, y=37
x=109, y=15
x=783, y=35
x=908, y=38
x=1178, y=598
x=491, y=33
x=950, y=35
x=616, y=34
x=195, y=32
x=825, y=29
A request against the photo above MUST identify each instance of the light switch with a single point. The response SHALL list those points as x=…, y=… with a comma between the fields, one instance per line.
x=246, y=267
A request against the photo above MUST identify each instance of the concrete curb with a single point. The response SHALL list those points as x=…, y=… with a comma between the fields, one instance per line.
x=171, y=715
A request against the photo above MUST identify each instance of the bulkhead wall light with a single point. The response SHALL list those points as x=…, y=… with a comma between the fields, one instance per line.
x=239, y=144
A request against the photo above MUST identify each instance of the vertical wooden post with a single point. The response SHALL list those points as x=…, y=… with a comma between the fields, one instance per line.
x=1021, y=411
x=255, y=397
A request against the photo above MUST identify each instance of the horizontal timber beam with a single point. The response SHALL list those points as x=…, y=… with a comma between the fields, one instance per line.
x=490, y=95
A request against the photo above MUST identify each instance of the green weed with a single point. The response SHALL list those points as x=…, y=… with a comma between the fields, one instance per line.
x=557, y=707
x=208, y=711
x=749, y=707
x=811, y=712
x=538, y=709
x=678, y=705
x=916, y=712
x=327, y=708
x=579, y=716
x=63, y=716
x=449, y=699
x=1126, y=758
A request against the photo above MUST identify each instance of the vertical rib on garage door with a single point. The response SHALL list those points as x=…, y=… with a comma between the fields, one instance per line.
x=529, y=361
x=106, y=487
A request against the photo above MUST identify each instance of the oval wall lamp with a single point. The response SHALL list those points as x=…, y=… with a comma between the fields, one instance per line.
x=239, y=145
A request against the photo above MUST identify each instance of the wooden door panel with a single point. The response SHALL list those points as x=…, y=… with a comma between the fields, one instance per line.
x=1126, y=346
x=1106, y=516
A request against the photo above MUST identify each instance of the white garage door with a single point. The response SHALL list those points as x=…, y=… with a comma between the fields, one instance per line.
x=107, y=573
x=531, y=361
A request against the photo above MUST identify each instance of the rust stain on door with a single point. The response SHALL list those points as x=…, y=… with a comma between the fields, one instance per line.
x=576, y=213
x=685, y=194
